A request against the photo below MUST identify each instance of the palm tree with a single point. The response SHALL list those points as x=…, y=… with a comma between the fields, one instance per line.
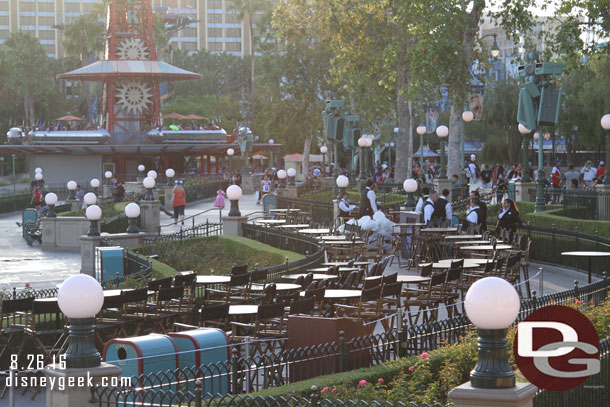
x=82, y=37
x=247, y=9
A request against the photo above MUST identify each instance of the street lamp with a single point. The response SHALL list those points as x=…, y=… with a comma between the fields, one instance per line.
x=540, y=204
x=149, y=184
x=51, y=199
x=421, y=130
x=95, y=183
x=324, y=150
x=90, y=199
x=234, y=193
x=605, y=122
x=230, y=153
x=80, y=298
x=132, y=210
x=281, y=175
x=342, y=182
x=272, y=164
x=467, y=117
x=495, y=49
x=410, y=186
x=169, y=174
x=525, y=177
x=492, y=304
x=362, y=143
x=93, y=213
x=108, y=175
x=38, y=178
x=141, y=169
x=292, y=173
x=152, y=174
x=442, y=132
x=71, y=189
x=38, y=170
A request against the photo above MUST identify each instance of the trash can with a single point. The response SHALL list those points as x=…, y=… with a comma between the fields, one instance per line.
x=110, y=263
x=511, y=189
x=205, y=351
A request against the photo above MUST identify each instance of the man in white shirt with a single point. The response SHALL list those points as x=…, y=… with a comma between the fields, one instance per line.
x=344, y=207
x=588, y=172
x=448, y=210
x=472, y=170
x=419, y=208
x=429, y=207
x=368, y=200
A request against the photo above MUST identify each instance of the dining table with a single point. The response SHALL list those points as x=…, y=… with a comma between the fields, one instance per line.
x=487, y=247
x=278, y=287
x=326, y=269
x=589, y=255
x=463, y=237
x=270, y=222
x=338, y=294
x=238, y=310
x=315, y=232
x=208, y=280
x=316, y=276
x=297, y=226
x=332, y=238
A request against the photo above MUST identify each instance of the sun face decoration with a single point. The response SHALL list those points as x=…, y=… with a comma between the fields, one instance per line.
x=134, y=96
x=132, y=49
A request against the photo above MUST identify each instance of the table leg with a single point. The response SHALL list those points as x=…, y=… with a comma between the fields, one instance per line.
x=590, y=268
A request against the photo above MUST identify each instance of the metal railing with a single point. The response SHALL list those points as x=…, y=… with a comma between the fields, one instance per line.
x=204, y=229
x=320, y=213
x=191, y=218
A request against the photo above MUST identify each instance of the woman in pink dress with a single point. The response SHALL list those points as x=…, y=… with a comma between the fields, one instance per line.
x=220, y=199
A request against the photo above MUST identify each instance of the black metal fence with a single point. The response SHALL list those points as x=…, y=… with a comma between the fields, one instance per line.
x=319, y=212
x=204, y=229
x=285, y=240
x=586, y=203
x=595, y=391
x=197, y=192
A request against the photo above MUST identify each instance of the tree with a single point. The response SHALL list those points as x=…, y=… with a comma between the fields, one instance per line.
x=28, y=69
x=247, y=9
x=83, y=37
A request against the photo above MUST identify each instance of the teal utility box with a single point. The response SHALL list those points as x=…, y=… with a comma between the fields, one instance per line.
x=110, y=263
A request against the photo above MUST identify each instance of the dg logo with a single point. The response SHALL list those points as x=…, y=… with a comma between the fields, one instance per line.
x=557, y=348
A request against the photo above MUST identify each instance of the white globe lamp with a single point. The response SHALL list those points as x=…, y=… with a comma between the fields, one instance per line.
x=95, y=183
x=342, y=182
x=149, y=184
x=90, y=198
x=230, y=152
x=234, y=193
x=141, y=168
x=81, y=298
x=292, y=173
x=324, y=149
x=132, y=210
x=605, y=122
x=271, y=141
x=38, y=170
x=442, y=131
x=108, y=175
x=51, y=199
x=467, y=116
x=93, y=213
x=169, y=174
x=362, y=142
x=152, y=174
x=410, y=186
x=421, y=130
x=281, y=174
x=492, y=304
x=38, y=176
x=71, y=189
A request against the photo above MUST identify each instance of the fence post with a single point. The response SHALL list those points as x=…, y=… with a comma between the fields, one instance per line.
x=541, y=281
x=315, y=397
x=534, y=300
x=14, y=293
x=234, y=371
x=286, y=264
x=342, y=352
x=207, y=228
x=198, y=384
x=576, y=289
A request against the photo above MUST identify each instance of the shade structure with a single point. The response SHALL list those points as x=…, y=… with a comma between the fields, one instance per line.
x=427, y=153
x=69, y=118
x=99, y=70
x=195, y=117
x=174, y=116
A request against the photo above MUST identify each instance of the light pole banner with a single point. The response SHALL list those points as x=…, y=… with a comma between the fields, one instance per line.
x=431, y=120
x=475, y=104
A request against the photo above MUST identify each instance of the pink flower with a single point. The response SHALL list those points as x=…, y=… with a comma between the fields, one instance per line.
x=324, y=390
x=425, y=356
x=334, y=390
x=411, y=368
x=390, y=391
x=577, y=302
x=380, y=380
x=27, y=285
x=362, y=383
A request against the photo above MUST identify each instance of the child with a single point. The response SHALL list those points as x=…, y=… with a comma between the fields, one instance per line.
x=220, y=199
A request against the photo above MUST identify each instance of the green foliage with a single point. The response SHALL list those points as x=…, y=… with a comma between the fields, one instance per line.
x=216, y=255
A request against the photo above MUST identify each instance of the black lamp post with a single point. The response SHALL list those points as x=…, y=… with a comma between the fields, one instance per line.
x=410, y=186
x=132, y=211
x=93, y=213
x=51, y=199
x=234, y=193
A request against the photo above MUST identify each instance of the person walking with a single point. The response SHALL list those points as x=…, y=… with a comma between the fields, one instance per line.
x=442, y=210
x=37, y=197
x=429, y=208
x=473, y=171
x=178, y=201
x=80, y=196
x=425, y=192
x=265, y=188
x=220, y=199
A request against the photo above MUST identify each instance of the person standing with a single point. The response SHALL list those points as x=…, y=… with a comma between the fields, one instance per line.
x=482, y=206
x=344, y=207
x=368, y=199
x=425, y=192
x=178, y=201
x=265, y=188
x=486, y=177
x=508, y=218
x=442, y=209
x=429, y=208
x=80, y=196
x=220, y=199
x=588, y=172
x=601, y=171
x=37, y=197
x=570, y=175
x=474, y=216
x=473, y=171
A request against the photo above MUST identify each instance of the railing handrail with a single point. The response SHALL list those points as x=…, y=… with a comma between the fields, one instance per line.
x=191, y=217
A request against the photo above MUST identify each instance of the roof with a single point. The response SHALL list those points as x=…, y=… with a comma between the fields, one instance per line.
x=427, y=152
x=100, y=69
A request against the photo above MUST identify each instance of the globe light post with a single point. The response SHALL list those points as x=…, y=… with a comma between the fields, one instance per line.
x=141, y=169
x=324, y=150
x=71, y=190
x=80, y=298
x=234, y=193
x=281, y=175
x=342, y=182
x=90, y=199
x=369, y=162
x=132, y=210
x=51, y=199
x=169, y=174
x=410, y=186
x=421, y=130
x=392, y=146
x=442, y=132
x=149, y=184
x=525, y=177
x=108, y=176
x=38, y=177
x=93, y=213
x=95, y=184
x=605, y=122
x=272, y=163
x=492, y=304
x=540, y=183
x=230, y=154
x=292, y=173
x=467, y=117
x=362, y=143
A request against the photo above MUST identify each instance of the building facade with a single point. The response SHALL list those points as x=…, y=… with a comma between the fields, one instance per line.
x=215, y=27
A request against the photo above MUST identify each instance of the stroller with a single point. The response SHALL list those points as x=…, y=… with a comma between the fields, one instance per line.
x=31, y=226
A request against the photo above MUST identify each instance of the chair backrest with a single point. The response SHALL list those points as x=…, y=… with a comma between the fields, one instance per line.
x=426, y=270
x=113, y=301
x=489, y=266
x=20, y=305
x=391, y=289
x=257, y=276
x=170, y=293
x=312, y=286
x=308, y=279
x=287, y=298
x=372, y=282
x=138, y=295
x=373, y=270
x=390, y=278
x=500, y=263
x=371, y=294
x=269, y=293
x=438, y=278
x=318, y=293
x=239, y=279
x=350, y=280
x=333, y=270
x=457, y=263
x=242, y=269
x=327, y=282
x=454, y=274
x=45, y=307
x=155, y=285
x=267, y=311
x=299, y=280
x=302, y=306
x=185, y=280
x=213, y=312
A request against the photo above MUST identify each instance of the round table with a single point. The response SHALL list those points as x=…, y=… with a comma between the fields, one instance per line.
x=343, y=242
x=314, y=231
x=487, y=247
x=472, y=242
x=315, y=276
x=345, y=263
x=337, y=294
x=333, y=238
x=411, y=279
x=590, y=256
x=278, y=287
x=237, y=310
x=447, y=265
x=302, y=226
x=341, y=269
x=439, y=230
x=463, y=237
x=213, y=280
x=271, y=221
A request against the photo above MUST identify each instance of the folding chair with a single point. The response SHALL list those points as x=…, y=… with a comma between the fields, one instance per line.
x=106, y=327
x=47, y=339
x=13, y=321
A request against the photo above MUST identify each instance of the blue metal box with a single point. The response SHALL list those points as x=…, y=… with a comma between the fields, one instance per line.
x=110, y=263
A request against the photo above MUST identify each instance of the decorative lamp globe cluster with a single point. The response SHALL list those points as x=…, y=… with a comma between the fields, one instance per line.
x=141, y=167
x=90, y=198
x=421, y=130
x=467, y=116
x=362, y=142
x=95, y=183
x=323, y=149
x=230, y=152
x=152, y=174
x=38, y=176
x=442, y=131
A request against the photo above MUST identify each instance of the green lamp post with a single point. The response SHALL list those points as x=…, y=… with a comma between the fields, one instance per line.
x=540, y=182
x=51, y=199
x=421, y=130
x=525, y=177
x=442, y=132
x=606, y=126
x=362, y=143
x=467, y=117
